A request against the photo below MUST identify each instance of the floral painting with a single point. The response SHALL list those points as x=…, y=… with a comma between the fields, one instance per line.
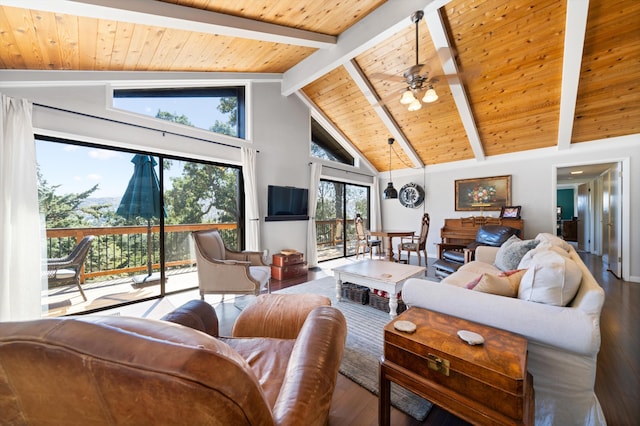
x=490, y=193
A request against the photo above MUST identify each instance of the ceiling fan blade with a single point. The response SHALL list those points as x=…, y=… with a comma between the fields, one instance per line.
x=413, y=70
x=388, y=77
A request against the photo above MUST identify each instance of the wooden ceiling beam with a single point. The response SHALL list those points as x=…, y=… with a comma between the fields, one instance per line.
x=169, y=15
x=369, y=92
x=374, y=28
x=575, y=30
x=442, y=45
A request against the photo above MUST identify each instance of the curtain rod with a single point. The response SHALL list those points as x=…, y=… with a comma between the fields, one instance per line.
x=342, y=170
x=111, y=120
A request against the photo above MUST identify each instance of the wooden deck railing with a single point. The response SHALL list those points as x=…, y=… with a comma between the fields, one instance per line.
x=119, y=250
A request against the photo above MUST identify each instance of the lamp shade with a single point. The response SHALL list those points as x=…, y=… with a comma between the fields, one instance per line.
x=390, y=192
x=430, y=96
x=407, y=97
x=415, y=105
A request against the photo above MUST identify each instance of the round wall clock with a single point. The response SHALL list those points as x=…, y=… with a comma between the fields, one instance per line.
x=411, y=195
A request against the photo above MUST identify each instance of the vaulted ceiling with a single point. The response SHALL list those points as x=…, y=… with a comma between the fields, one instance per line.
x=533, y=74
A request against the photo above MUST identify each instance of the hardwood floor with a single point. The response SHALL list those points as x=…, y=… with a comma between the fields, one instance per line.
x=618, y=372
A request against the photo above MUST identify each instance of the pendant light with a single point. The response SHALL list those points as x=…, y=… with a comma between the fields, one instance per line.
x=390, y=192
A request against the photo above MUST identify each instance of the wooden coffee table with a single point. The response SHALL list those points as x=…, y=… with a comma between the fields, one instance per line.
x=484, y=384
x=378, y=274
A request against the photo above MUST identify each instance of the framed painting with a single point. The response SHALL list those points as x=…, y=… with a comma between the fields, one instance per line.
x=489, y=193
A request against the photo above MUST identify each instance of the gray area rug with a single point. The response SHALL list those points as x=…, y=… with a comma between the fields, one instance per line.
x=364, y=346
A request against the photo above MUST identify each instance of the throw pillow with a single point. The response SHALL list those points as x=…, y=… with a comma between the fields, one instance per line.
x=554, y=240
x=474, y=282
x=551, y=278
x=511, y=252
x=501, y=286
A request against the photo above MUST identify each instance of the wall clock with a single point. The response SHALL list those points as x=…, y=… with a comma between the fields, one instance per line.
x=411, y=195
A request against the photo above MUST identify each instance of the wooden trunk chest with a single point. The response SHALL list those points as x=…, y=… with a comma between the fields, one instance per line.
x=487, y=381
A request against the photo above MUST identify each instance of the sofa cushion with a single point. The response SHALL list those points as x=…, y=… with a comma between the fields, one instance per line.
x=512, y=251
x=495, y=235
x=500, y=285
x=550, y=278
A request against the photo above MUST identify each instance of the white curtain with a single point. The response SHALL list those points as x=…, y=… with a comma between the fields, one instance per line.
x=20, y=238
x=314, y=184
x=376, y=215
x=252, y=221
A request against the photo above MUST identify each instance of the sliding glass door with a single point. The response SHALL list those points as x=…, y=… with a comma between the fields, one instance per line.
x=337, y=206
x=138, y=210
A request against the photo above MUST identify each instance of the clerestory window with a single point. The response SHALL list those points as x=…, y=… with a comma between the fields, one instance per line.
x=216, y=109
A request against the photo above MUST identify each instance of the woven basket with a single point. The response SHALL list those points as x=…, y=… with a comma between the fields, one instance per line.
x=357, y=293
x=382, y=303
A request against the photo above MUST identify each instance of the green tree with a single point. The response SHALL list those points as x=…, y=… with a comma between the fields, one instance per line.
x=227, y=106
x=64, y=211
x=174, y=118
x=204, y=193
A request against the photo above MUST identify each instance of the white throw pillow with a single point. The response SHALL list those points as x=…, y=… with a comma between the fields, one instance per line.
x=525, y=262
x=550, y=278
x=554, y=240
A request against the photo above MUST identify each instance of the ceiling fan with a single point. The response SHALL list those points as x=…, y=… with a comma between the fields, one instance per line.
x=415, y=81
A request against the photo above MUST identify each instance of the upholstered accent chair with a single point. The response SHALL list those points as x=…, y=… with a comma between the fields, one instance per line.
x=363, y=238
x=224, y=271
x=416, y=243
x=66, y=270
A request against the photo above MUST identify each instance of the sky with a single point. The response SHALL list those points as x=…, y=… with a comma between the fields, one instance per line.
x=77, y=168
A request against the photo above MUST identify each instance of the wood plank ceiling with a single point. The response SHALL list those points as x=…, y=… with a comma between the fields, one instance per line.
x=536, y=74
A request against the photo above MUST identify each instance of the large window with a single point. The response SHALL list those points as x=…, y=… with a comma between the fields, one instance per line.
x=89, y=190
x=216, y=109
x=336, y=209
x=325, y=146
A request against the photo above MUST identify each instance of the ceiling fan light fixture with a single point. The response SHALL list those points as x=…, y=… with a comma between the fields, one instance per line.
x=415, y=105
x=430, y=95
x=407, y=97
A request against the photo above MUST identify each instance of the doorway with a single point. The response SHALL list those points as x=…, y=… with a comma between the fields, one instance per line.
x=600, y=209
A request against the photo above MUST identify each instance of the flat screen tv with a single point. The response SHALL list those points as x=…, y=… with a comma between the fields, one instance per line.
x=287, y=203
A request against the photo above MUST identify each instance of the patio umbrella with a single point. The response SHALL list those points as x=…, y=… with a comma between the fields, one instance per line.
x=142, y=197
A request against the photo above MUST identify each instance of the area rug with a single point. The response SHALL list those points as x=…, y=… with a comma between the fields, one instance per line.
x=364, y=346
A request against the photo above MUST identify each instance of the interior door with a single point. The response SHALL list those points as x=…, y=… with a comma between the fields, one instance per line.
x=614, y=221
x=583, y=218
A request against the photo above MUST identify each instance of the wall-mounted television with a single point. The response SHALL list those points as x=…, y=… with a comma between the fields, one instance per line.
x=287, y=203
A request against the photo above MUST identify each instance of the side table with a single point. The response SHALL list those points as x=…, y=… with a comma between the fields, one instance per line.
x=484, y=384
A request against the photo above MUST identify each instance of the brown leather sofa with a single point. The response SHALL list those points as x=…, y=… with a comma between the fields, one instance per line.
x=122, y=370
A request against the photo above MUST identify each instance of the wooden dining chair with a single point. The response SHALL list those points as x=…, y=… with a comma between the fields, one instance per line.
x=416, y=243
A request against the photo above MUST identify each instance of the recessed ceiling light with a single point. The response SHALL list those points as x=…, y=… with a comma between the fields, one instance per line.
x=576, y=172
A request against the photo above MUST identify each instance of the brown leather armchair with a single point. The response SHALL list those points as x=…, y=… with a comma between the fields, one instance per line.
x=120, y=370
x=452, y=256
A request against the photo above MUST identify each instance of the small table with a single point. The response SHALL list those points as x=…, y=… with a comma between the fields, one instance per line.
x=377, y=274
x=484, y=384
x=389, y=236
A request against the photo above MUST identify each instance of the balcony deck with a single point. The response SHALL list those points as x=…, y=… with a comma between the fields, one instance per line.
x=102, y=294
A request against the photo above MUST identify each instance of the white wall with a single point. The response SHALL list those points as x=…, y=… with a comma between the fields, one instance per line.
x=533, y=188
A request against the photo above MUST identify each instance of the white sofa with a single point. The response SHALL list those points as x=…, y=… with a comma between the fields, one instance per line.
x=563, y=341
